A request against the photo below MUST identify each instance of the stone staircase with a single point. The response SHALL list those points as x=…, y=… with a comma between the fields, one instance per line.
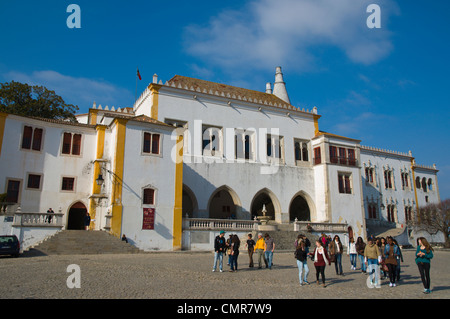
x=285, y=237
x=74, y=242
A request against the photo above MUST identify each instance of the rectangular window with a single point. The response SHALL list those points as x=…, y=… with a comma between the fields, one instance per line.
x=391, y=213
x=342, y=156
x=67, y=142
x=32, y=139
x=387, y=179
x=212, y=145
x=333, y=154
x=27, y=137
x=37, y=139
x=317, y=156
x=301, y=151
x=12, y=193
x=34, y=181
x=149, y=196
x=275, y=147
x=71, y=144
x=351, y=157
x=76, y=144
x=151, y=144
x=344, y=182
x=68, y=184
x=372, y=211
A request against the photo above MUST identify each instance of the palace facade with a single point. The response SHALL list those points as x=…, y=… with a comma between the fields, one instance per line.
x=193, y=152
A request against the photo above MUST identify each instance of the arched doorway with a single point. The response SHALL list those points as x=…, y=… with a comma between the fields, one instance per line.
x=299, y=209
x=224, y=204
x=189, y=202
x=77, y=212
x=267, y=198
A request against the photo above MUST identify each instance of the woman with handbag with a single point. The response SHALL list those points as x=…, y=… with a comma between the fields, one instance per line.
x=336, y=251
x=391, y=252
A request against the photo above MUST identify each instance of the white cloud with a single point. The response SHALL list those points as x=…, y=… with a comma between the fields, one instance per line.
x=79, y=91
x=286, y=32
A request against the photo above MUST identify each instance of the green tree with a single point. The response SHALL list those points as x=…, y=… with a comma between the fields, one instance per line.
x=23, y=99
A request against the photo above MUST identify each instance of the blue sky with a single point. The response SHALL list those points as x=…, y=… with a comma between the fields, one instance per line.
x=388, y=87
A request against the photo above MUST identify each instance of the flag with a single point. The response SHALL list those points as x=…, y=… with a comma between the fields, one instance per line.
x=139, y=75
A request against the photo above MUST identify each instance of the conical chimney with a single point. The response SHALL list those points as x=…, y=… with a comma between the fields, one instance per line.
x=279, y=87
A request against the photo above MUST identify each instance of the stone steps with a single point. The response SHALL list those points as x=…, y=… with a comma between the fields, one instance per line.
x=73, y=242
x=285, y=237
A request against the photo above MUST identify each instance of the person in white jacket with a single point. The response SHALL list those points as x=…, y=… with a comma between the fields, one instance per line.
x=352, y=252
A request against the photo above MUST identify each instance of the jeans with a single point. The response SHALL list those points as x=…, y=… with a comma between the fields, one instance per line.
x=424, y=269
x=260, y=254
x=234, y=263
x=218, y=255
x=338, y=263
x=374, y=271
x=353, y=260
x=302, y=266
x=269, y=257
x=363, y=264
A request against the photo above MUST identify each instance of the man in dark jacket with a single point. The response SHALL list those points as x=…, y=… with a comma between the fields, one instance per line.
x=219, y=249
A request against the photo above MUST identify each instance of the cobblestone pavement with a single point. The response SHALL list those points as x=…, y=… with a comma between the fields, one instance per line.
x=185, y=275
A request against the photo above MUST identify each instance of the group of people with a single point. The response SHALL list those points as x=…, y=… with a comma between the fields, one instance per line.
x=263, y=247
x=380, y=258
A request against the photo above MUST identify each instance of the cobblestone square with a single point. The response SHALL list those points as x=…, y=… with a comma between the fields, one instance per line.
x=188, y=275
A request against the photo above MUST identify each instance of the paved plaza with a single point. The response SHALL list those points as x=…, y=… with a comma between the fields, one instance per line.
x=188, y=275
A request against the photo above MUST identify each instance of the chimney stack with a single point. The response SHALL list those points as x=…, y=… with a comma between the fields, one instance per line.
x=279, y=87
x=268, y=88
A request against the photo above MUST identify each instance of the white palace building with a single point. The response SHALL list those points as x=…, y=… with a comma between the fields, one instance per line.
x=192, y=157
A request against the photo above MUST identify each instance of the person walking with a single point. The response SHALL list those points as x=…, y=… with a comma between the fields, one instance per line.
x=372, y=257
x=399, y=259
x=87, y=221
x=360, y=246
x=250, y=244
x=269, y=247
x=351, y=250
x=259, y=250
x=235, y=243
x=220, y=246
x=301, y=254
x=424, y=254
x=336, y=251
x=321, y=259
x=390, y=253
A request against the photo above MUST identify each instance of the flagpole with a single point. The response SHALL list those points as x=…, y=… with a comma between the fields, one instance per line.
x=135, y=92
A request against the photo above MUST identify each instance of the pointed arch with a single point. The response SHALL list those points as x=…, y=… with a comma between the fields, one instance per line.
x=302, y=206
x=266, y=197
x=224, y=203
x=190, y=204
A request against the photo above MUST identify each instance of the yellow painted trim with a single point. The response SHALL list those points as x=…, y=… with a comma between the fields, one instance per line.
x=316, y=125
x=93, y=116
x=178, y=204
x=117, y=178
x=154, y=88
x=96, y=188
x=2, y=128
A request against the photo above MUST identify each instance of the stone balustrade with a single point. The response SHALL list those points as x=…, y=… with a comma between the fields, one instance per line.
x=23, y=219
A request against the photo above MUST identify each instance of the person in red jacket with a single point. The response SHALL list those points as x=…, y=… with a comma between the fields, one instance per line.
x=321, y=259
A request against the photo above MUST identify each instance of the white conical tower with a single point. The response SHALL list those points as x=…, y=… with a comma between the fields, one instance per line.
x=279, y=87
